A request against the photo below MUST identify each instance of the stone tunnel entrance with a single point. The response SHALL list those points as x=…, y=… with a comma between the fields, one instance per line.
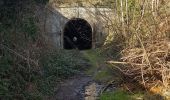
x=77, y=34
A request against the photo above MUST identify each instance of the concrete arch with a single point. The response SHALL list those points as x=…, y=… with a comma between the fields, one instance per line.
x=57, y=17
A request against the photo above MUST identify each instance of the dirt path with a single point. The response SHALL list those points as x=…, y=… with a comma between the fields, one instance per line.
x=72, y=89
x=79, y=87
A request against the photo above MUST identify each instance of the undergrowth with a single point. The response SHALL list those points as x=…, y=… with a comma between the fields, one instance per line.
x=57, y=66
x=141, y=28
x=28, y=69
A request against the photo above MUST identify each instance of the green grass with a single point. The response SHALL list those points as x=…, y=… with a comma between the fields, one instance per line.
x=122, y=95
x=118, y=95
x=103, y=75
x=98, y=69
x=93, y=57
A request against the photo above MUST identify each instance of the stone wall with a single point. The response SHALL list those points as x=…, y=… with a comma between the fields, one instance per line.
x=57, y=17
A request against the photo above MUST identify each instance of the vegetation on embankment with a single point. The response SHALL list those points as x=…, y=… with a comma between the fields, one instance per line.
x=29, y=68
x=142, y=48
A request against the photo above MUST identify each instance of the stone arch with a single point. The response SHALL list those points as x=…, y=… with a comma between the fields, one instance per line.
x=77, y=33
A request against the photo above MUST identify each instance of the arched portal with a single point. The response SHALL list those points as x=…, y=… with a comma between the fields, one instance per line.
x=77, y=34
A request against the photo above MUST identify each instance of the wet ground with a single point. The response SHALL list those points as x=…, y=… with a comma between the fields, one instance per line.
x=79, y=87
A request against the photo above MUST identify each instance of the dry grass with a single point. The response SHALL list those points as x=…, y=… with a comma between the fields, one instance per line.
x=145, y=59
x=150, y=66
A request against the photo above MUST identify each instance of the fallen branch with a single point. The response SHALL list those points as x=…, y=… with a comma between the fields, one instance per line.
x=117, y=62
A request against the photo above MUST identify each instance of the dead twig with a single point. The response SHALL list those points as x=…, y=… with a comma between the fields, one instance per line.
x=19, y=55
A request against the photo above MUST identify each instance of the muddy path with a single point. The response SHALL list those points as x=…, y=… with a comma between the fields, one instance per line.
x=82, y=86
x=79, y=87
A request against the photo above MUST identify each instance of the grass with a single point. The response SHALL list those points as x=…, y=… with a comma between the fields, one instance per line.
x=118, y=95
x=122, y=95
x=98, y=69
x=103, y=75
x=93, y=57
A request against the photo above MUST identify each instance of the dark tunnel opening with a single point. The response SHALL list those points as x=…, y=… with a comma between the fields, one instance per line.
x=77, y=34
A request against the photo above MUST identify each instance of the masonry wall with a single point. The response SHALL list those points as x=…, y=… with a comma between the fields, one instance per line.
x=57, y=17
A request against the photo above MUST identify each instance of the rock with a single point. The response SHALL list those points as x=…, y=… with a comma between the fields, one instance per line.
x=92, y=91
